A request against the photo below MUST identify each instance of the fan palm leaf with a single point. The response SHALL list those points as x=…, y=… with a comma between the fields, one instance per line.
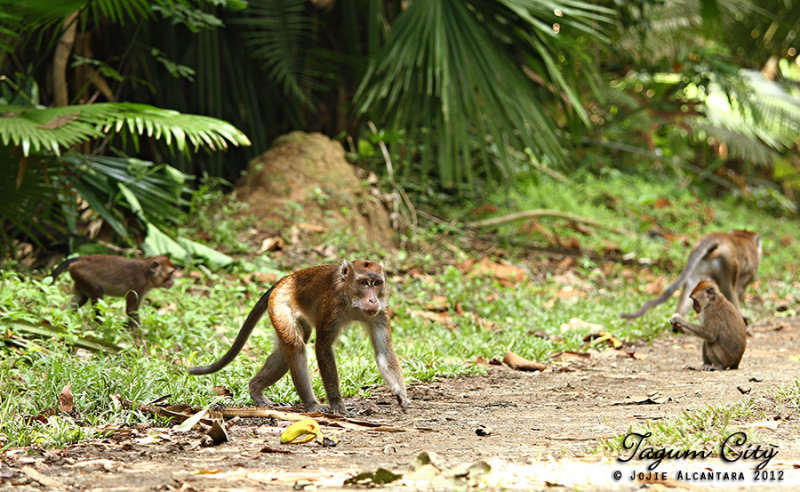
x=275, y=32
x=446, y=75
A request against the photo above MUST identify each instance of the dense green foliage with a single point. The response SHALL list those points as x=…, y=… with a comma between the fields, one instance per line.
x=569, y=85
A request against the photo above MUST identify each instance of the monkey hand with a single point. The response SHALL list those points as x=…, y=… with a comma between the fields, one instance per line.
x=677, y=322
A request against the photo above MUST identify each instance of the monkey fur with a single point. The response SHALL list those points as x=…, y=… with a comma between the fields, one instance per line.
x=721, y=327
x=729, y=259
x=95, y=276
x=326, y=298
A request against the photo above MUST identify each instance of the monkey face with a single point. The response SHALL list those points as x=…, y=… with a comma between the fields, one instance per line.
x=365, y=282
x=703, y=294
x=162, y=271
x=369, y=294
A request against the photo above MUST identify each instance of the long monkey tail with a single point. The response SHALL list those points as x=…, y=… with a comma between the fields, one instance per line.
x=63, y=266
x=700, y=252
x=247, y=328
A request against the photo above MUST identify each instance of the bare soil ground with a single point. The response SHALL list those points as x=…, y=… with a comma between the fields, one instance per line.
x=543, y=429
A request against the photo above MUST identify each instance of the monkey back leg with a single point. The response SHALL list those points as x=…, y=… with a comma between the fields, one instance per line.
x=326, y=359
x=132, y=303
x=291, y=338
x=274, y=368
x=78, y=300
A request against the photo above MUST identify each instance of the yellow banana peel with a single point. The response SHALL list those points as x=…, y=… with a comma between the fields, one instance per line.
x=301, y=432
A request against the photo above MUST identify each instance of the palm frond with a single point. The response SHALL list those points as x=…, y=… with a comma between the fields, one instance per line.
x=159, y=189
x=753, y=135
x=28, y=200
x=740, y=143
x=670, y=29
x=119, y=12
x=446, y=70
x=52, y=129
x=276, y=32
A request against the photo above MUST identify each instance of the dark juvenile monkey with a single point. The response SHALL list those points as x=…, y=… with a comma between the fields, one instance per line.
x=721, y=327
x=729, y=259
x=97, y=275
x=327, y=298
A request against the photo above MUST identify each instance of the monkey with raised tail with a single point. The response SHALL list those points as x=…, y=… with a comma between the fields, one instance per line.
x=721, y=327
x=95, y=276
x=729, y=259
x=327, y=298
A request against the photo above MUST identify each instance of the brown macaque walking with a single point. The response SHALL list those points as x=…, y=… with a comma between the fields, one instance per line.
x=729, y=259
x=96, y=276
x=721, y=327
x=327, y=298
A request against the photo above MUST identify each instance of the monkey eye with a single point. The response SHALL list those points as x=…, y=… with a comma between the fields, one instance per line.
x=364, y=282
x=378, y=283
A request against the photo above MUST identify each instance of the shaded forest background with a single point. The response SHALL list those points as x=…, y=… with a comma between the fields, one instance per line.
x=117, y=109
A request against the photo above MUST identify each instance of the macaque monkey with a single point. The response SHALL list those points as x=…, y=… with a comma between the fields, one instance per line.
x=729, y=259
x=97, y=275
x=721, y=327
x=327, y=298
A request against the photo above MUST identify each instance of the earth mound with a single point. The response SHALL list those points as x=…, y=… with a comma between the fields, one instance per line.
x=304, y=180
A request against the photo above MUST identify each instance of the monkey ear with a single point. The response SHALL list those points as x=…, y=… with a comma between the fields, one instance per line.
x=711, y=294
x=155, y=266
x=344, y=268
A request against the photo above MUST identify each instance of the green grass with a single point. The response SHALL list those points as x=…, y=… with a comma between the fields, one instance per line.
x=195, y=321
x=697, y=429
x=790, y=394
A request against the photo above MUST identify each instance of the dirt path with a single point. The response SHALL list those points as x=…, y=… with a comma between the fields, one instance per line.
x=543, y=429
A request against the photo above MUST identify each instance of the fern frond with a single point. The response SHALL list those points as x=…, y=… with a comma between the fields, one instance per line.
x=53, y=129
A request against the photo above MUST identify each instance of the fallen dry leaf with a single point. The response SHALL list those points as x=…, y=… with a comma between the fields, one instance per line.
x=568, y=243
x=274, y=243
x=65, y=399
x=437, y=303
x=655, y=287
x=579, y=324
x=531, y=226
x=486, y=208
x=661, y=203
x=566, y=263
x=483, y=323
x=221, y=390
x=519, y=363
x=570, y=293
x=507, y=275
x=443, y=318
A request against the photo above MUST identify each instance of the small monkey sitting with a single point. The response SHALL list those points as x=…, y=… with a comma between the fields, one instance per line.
x=95, y=276
x=721, y=327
